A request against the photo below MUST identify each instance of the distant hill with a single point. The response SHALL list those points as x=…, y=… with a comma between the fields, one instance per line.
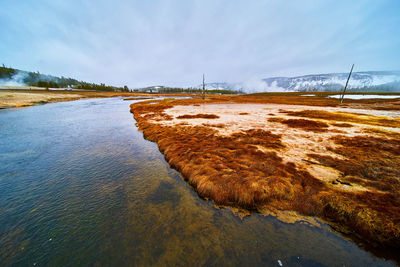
x=368, y=81
x=365, y=81
x=15, y=77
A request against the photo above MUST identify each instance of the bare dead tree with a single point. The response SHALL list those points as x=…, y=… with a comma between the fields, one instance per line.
x=345, y=87
x=204, y=89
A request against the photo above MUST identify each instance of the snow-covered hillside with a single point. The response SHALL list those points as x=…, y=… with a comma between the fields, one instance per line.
x=377, y=81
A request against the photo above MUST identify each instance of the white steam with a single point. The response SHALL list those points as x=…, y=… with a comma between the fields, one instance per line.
x=16, y=80
x=257, y=85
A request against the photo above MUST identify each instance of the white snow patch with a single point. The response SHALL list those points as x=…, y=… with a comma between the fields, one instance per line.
x=366, y=96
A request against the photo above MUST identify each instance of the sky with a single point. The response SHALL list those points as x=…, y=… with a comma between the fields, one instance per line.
x=173, y=42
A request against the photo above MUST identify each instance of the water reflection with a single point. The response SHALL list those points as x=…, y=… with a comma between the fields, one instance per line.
x=80, y=185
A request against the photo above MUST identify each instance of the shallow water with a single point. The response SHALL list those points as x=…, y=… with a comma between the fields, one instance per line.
x=80, y=186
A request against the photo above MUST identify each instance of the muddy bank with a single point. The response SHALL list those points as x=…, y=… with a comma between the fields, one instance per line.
x=336, y=163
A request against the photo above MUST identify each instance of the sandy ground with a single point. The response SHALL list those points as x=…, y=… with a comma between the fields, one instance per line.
x=10, y=87
x=298, y=143
x=21, y=99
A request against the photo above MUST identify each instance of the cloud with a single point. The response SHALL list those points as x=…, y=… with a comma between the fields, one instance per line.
x=173, y=42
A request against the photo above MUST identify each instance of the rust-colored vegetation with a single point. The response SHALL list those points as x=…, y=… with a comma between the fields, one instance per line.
x=276, y=119
x=216, y=125
x=393, y=105
x=372, y=163
x=244, y=169
x=382, y=133
x=307, y=125
x=344, y=125
x=243, y=113
x=231, y=170
x=198, y=116
x=346, y=117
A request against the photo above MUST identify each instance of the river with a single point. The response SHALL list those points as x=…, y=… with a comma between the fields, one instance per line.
x=80, y=186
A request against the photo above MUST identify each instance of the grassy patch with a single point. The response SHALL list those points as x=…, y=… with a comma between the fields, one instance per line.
x=373, y=163
x=344, y=125
x=244, y=170
x=307, y=125
x=346, y=117
x=198, y=116
x=382, y=132
x=217, y=125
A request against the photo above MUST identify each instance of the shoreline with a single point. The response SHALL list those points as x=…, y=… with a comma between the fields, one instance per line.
x=26, y=98
x=287, y=154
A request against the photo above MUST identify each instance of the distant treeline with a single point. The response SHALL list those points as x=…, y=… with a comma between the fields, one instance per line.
x=6, y=73
x=48, y=81
x=387, y=87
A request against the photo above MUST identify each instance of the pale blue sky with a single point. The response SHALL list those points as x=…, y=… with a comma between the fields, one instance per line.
x=140, y=43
